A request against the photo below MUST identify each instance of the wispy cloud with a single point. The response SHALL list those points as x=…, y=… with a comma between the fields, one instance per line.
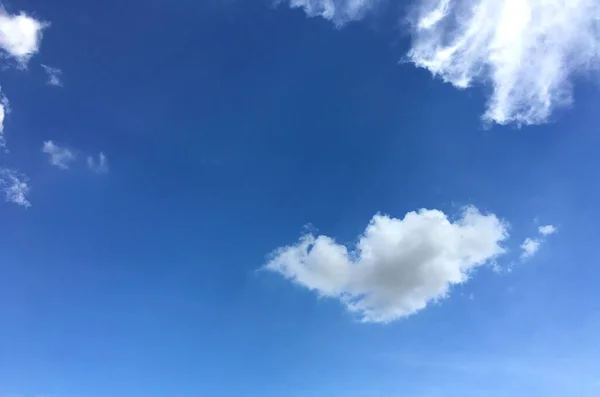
x=60, y=157
x=547, y=230
x=54, y=75
x=337, y=11
x=4, y=110
x=398, y=266
x=15, y=187
x=99, y=166
x=531, y=246
x=20, y=35
x=528, y=50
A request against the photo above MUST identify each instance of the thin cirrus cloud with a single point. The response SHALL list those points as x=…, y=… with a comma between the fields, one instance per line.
x=337, y=11
x=531, y=246
x=60, y=157
x=54, y=75
x=398, y=266
x=14, y=186
x=100, y=165
x=528, y=51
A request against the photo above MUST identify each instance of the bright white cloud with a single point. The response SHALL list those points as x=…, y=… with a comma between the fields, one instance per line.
x=528, y=50
x=15, y=187
x=4, y=109
x=529, y=247
x=20, y=35
x=547, y=230
x=99, y=166
x=54, y=75
x=532, y=245
x=59, y=156
x=398, y=266
x=337, y=11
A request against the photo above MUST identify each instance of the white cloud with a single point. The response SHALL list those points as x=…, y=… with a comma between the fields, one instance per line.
x=398, y=266
x=528, y=50
x=530, y=246
x=59, y=156
x=547, y=230
x=20, y=35
x=100, y=166
x=54, y=75
x=14, y=186
x=337, y=11
x=4, y=110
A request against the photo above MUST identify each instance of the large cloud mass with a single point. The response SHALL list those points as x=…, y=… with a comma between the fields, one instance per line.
x=528, y=50
x=398, y=266
x=20, y=35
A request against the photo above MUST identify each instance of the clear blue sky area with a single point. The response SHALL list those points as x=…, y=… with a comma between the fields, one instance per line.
x=231, y=128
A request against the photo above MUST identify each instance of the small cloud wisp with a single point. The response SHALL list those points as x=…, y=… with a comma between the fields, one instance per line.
x=60, y=157
x=15, y=187
x=337, y=11
x=99, y=166
x=531, y=246
x=54, y=75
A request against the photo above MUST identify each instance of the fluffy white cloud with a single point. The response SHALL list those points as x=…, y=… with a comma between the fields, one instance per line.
x=337, y=11
x=20, y=35
x=398, y=266
x=54, y=75
x=530, y=246
x=14, y=186
x=528, y=50
x=100, y=166
x=59, y=156
x=547, y=230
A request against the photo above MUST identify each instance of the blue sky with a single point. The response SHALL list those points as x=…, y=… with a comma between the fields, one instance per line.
x=309, y=198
